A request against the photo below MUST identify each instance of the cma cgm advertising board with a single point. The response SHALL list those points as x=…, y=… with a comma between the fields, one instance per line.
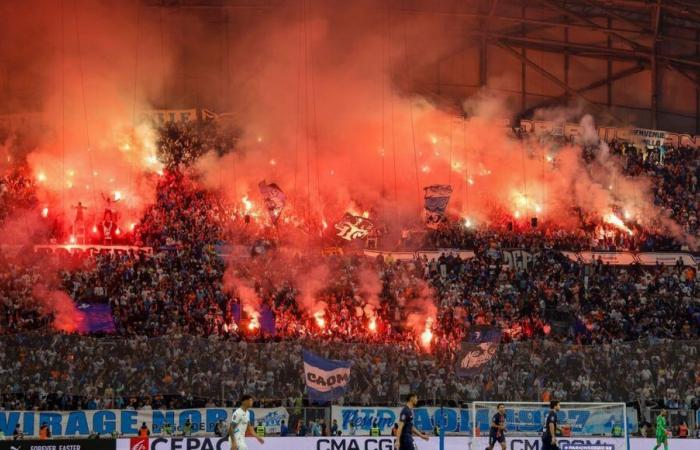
x=359, y=419
x=387, y=443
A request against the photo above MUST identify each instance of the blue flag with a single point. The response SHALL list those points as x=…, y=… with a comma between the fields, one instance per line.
x=267, y=321
x=326, y=379
x=480, y=347
x=436, y=197
x=97, y=318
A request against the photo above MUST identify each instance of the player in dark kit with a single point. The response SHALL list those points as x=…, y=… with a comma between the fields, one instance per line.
x=404, y=435
x=497, y=432
x=549, y=436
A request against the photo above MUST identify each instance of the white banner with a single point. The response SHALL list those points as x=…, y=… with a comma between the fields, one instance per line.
x=163, y=116
x=666, y=259
x=518, y=259
x=435, y=254
x=612, y=258
x=387, y=443
x=608, y=134
x=127, y=422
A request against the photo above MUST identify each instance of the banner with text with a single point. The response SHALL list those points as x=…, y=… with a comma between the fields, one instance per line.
x=127, y=422
x=523, y=419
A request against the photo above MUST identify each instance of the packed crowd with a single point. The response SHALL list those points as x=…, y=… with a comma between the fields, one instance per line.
x=556, y=316
x=630, y=332
x=673, y=174
x=70, y=372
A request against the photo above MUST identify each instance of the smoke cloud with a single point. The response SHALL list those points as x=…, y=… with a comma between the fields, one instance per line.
x=67, y=317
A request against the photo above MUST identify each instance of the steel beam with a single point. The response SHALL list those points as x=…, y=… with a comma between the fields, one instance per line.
x=545, y=73
x=596, y=84
x=563, y=9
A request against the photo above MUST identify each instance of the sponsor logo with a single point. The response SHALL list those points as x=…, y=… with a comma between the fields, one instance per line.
x=138, y=444
x=188, y=444
x=573, y=444
x=355, y=444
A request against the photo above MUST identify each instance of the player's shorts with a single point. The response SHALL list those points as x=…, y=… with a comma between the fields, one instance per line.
x=661, y=438
x=547, y=443
x=407, y=443
x=493, y=439
x=240, y=443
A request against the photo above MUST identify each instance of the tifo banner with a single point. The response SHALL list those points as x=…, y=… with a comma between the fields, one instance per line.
x=480, y=347
x=127, y=422
x=353, y=227
x=523, y=419
x=387, y=443
x=436, y=198
x=326, y=379
x=61, y=444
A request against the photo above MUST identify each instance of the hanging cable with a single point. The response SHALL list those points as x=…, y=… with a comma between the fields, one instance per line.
x=228, y=96
x=315, y=139
x=449, y=172
x=63, y=111
x=383, y=89
x=527, y=207
x=131, y=176
x=393, y=124
x=466, y=165
x=410, y=111
x=306, y=119
x=85, y=113
x=299, y=108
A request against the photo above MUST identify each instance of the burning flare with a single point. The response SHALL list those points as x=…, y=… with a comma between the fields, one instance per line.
x=373, y=325
x=427, y=336
x=254, y=323
x=320, y=321
x=615, y=221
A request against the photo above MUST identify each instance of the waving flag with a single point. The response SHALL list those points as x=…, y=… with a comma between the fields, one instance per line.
x=274, y=199
x=353, y=227
x=481, y=346
x=326, y=379
x=436, y=197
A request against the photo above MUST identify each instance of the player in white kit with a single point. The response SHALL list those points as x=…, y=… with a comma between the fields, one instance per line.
x=240, y=425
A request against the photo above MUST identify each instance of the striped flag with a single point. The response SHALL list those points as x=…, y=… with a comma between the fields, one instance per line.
x=326, y=379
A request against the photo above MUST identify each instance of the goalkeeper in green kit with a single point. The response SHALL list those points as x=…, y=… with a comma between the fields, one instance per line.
x=661, y=436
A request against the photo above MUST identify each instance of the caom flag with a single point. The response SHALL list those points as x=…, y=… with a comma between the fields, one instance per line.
x=326, y=379
x=436, y=198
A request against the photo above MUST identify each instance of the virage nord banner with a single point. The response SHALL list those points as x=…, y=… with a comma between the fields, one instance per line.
x=127, y=422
